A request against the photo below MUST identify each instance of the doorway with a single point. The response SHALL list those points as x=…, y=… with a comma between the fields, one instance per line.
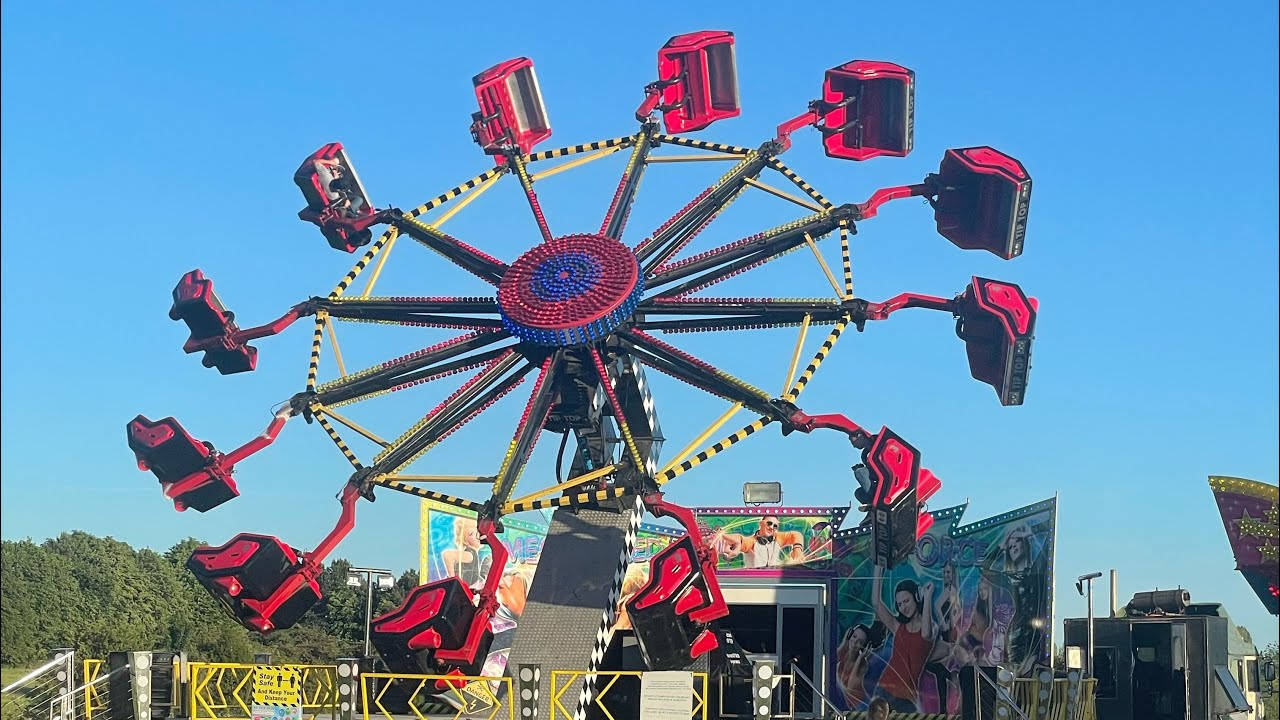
x=1159, y=671
x=782, y=624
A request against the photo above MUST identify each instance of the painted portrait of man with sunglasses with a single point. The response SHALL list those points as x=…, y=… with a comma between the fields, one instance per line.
x=768, y=547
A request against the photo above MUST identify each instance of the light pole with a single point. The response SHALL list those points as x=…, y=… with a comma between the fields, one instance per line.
x=1084, y=586
x=357, y=575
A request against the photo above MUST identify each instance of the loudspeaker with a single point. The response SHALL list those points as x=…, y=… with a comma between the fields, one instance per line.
x=977, y=696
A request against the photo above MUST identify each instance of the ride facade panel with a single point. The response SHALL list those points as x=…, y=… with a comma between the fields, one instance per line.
x=579, y=314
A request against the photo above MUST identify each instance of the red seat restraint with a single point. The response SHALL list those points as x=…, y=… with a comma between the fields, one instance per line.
x=511, y=109
x=326, y=208
x=868, y=110
x=662, y=612
x=433, y=616
x=441, y=628
x=898, y=487
x=698, y=76
x=212, y=326
x=997, y=322
x=187, y=468
x=983, y=201
x=260, y=580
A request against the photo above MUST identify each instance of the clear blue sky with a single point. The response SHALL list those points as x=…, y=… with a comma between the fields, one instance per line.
x=142, y=140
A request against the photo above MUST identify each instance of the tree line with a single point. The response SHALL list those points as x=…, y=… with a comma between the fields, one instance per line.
x=98, y=594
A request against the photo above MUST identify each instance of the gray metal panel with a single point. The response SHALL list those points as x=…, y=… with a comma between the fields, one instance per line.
x=575, y=584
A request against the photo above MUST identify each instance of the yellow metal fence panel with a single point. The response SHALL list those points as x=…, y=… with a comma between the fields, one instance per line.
x=388, y=695
x=563, y=680
x=224, y=691
x=93, y=700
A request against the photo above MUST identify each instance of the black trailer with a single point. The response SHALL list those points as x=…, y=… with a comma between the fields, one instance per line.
x=1166, y=659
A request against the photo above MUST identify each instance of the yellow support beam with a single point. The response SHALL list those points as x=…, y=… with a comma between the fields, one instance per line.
x=321, y=409
x=688, y=158
x=729, y=441
x=784, y=195
x=337, y=352
x=442, y=478
x=570, y=483
x=818, y=357
x=479, y=190
x=702, y=437
x=382, y=260
x=575, y=163
x=795, y=355
x=831, y=278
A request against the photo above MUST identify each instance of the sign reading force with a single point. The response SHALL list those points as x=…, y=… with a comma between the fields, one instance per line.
x=277, y=686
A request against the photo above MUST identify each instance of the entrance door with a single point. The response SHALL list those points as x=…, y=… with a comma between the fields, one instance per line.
x=1159, y=671
x=782, y=624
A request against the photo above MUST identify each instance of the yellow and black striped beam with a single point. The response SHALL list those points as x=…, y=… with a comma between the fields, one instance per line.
x=336, y=438
x=816, y=362
x=572, y=500
x=455, y=191
x=701, y=144
x=799, y=182
x=672, y=473
x=362, y=263
x=845, y=260
x=404, y=487
x=575, y=149
x=317, y=340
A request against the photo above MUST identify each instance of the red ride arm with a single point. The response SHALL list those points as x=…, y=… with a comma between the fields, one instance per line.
x=869, y=208
x=346, y=522
x=276, y=326
x=783, y=138
x=882, y=310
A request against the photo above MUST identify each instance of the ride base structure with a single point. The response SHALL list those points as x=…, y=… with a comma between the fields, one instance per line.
x=580, y=314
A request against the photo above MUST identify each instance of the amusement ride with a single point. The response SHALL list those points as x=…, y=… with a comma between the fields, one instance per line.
x=578, y=316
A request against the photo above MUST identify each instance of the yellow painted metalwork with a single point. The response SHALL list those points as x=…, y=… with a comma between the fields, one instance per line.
x=576, y=499
x=806, y=188
x=784, y=195
x=333, y=341
x=575, y=149
x=382, y=260
x=571, y=482
x=702, y=437
x=480, y=190
x=349, y=423
x=563, y=680
x=818, y=357
x=476, y=696
x=313, y=366
x=93, y=700
x=701, y=144
x=831, y=278
x=441, y=478
x=223, y=691
x=575, y=163
x=845, y=260
x=675, y=471
x=795, y=356
x=688, y=158
x=337, y=440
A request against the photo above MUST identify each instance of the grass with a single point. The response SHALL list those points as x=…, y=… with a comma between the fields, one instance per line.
x=9, y=674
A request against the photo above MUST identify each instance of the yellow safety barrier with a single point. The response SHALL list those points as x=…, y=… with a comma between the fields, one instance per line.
x=478, y=697
x=225, y=690
x=92, y=697
x=1054, y=697
x=562, y=680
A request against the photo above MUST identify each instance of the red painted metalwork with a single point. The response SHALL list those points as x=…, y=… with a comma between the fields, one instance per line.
x=697, y=81
x=511, y=109
x=868, y=110
x=984, y=198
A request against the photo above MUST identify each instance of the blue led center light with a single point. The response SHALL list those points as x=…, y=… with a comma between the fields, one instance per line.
x=566, y=275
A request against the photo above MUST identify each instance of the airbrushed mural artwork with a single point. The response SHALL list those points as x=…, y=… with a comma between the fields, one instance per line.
x=972, y=594
x=978, y=594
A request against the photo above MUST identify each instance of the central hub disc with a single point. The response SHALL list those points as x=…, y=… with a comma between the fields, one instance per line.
x=570, y=291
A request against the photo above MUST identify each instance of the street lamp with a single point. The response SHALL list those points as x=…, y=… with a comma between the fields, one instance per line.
x=385, y=580
x=1084, y=586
